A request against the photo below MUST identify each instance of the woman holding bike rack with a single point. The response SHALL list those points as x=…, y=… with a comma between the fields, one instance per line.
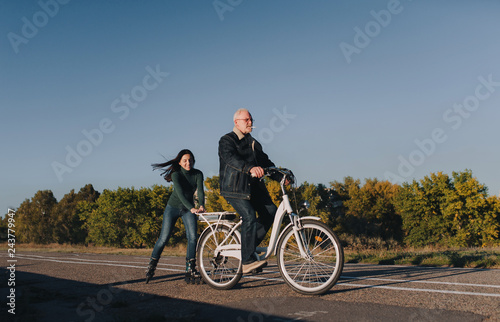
x=241, y=165
x=186, y=180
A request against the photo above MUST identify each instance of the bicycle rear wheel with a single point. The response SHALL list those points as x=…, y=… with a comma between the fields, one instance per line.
x=220, y=269
x=322, y=266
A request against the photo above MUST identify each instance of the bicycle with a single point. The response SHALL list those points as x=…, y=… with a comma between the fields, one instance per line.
x=309, y=254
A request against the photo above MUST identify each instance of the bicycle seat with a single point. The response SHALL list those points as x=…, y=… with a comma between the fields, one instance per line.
x=228, y=216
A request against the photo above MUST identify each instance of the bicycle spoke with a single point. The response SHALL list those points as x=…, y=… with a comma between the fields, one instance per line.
x=218, y=270
x=319, y=269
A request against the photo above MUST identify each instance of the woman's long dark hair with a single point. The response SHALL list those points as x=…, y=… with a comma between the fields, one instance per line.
x=172, y=165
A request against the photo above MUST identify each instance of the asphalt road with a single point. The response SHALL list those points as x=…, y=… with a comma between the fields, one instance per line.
x=90, y=287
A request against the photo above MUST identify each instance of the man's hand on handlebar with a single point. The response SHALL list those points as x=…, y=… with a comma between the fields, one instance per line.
x=257, y=172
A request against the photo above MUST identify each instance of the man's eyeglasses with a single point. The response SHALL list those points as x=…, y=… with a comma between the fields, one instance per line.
x=246, y=120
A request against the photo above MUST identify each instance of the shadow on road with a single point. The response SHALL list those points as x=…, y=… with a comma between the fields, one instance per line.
x=420, y=273
x=44, y=298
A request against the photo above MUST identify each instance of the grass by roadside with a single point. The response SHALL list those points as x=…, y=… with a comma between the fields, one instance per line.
x=451, y=257
x=179, y=250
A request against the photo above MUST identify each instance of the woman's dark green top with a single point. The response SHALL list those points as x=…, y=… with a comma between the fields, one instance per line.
x=185, y=184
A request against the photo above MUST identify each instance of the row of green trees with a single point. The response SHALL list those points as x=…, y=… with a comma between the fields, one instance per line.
x=437, y=210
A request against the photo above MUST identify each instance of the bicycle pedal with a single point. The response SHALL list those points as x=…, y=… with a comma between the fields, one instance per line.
x=257, y=271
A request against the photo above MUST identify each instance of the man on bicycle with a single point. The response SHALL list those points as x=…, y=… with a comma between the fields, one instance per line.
x=241, y=166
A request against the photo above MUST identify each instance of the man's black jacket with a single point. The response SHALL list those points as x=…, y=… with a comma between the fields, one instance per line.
x=236, y=158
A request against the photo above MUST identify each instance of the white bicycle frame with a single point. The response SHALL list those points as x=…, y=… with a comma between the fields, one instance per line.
x=215, y=219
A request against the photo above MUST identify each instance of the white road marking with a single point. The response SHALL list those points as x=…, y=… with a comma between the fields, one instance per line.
x=417, y=289
x=417, y=281
x=93, y=262
x=343, y=284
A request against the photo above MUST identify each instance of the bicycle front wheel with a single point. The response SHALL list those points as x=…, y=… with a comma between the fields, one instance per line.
x=321, y=266
x=219, y=258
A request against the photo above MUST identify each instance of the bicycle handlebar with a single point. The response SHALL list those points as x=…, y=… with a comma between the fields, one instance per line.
x=286, y=173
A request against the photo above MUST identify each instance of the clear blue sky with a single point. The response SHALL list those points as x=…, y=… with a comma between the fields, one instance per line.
x=368, y=89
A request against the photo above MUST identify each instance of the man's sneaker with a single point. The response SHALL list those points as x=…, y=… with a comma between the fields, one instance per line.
x=248, y=268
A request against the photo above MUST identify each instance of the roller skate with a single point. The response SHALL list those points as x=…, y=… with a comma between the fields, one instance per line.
x=192, y=275
x=150, y=272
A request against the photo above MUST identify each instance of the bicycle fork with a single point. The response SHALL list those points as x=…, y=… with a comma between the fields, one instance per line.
x=298, y=232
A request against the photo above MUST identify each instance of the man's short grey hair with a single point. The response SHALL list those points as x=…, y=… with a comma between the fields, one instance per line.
x=238, y=112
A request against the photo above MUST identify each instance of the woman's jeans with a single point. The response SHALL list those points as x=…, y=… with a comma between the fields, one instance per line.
x=253, y=230
x=170, y=216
